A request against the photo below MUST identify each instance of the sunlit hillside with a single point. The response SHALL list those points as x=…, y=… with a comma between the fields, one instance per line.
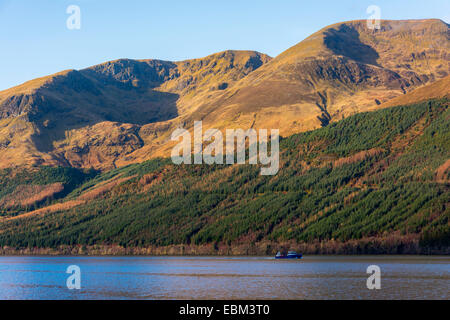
x=123, y=111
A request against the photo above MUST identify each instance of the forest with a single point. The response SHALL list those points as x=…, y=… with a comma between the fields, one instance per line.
x=375, y=182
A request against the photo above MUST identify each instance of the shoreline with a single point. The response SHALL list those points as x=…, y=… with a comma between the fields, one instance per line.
x=369, y=246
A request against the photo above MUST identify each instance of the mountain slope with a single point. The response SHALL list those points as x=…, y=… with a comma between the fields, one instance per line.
x=124, y=111
x=438, y=89
x=67, y=118
x=375, y=182
x=340, y=70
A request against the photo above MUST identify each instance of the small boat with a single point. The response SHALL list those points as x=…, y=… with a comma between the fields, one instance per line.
x=289, y=255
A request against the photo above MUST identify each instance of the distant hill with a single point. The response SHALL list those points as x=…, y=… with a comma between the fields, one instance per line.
x=375, y=182
x=122, y=112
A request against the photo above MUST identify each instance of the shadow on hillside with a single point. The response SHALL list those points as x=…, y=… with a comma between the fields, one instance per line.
x=345, y=41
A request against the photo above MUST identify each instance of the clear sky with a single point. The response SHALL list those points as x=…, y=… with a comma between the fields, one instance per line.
x=35, y=40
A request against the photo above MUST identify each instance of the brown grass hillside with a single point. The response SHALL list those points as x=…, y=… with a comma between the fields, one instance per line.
x=124, y=111
x=438, y=89
x=91, y=117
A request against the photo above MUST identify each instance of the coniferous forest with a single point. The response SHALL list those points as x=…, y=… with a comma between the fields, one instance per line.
x=375, y=182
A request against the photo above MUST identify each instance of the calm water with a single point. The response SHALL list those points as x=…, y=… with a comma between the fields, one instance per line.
x=314, y=277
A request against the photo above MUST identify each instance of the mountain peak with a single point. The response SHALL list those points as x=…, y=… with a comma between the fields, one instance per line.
x=342, y=69
x=31, y=85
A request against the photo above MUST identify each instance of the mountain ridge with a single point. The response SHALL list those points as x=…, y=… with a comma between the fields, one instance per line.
x=372, y=183
x=340, y=70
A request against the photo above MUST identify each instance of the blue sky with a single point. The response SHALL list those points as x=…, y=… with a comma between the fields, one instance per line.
x=35, y=40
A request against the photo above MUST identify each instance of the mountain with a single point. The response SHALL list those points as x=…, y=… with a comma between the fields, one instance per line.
x=123, y=111
x=340, y=70
x=89, y=118
x=438, y=89
x=374, y=182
